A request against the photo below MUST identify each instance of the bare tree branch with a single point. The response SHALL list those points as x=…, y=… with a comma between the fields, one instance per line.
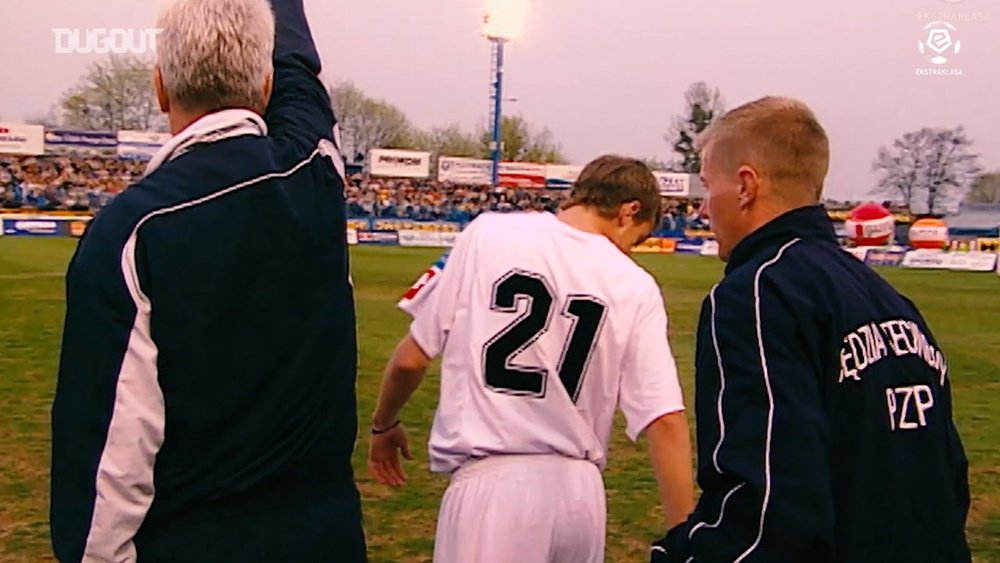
x=986, y=189
x=930, y=169
x=113, y=94
x=366, y=123
x=703, y=105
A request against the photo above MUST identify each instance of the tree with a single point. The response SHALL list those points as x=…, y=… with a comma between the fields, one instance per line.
x=367, y=123
x=932, y=167
x=655, y=164
x=703, y=105
x=48, y=119
x=986, y=189
x=114, y=93
x=900, y=169
x=522, y=143
x=449, y=141
x=542, y=147
x=444, y=141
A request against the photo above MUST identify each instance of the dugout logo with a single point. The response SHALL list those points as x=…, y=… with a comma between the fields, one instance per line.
x=102, y=41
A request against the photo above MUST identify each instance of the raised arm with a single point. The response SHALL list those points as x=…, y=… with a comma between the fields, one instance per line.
x=300, y=104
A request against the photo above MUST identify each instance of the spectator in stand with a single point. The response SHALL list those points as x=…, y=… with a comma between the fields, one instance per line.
x=431, y=201
x=64, y=182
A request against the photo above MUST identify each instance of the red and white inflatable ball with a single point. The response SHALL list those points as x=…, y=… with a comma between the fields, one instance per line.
x=870, y=224
x=929, y=233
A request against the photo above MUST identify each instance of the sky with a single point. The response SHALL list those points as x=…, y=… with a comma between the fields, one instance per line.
x=606, y=77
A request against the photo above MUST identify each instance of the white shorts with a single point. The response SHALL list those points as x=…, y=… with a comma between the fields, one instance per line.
x=523, y=509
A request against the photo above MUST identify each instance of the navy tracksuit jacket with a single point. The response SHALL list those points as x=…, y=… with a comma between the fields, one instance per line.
x=205, y=407
x=824, y=414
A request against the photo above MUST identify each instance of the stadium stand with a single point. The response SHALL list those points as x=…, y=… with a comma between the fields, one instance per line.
x=57, y=194
x=80, y=180
x=85, y=184
x=71, y=183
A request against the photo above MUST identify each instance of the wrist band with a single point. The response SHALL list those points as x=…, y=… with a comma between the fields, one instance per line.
x=376, y=431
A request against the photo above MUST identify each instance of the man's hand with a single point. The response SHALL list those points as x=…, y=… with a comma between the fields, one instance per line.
x=383, y=456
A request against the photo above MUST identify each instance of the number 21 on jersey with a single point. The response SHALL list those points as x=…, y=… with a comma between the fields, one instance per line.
x=501, y=373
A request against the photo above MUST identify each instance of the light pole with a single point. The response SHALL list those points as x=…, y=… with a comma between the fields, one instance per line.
x=496, y=110
x=503, y=22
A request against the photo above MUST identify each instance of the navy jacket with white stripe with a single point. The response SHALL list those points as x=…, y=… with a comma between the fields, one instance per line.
x=205, y=408
x=825, y=428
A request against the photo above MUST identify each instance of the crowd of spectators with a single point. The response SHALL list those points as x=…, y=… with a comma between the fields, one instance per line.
x=433, y=201
x=77, y=183
x=73, y=183
x=85, y=184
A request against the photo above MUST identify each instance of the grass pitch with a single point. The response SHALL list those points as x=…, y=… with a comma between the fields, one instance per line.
x=963, y=310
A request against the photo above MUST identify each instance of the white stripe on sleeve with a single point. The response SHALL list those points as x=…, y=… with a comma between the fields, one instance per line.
x=125, y=472
x=770, y=398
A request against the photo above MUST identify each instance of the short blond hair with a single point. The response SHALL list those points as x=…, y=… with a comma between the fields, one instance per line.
x=216, y=54
x=780, y=137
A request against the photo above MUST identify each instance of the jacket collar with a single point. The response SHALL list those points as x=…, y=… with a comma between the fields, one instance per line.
x=211, y=128
x=811, y=222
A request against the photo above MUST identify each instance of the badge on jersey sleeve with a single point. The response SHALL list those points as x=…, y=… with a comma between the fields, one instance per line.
x=418, y=294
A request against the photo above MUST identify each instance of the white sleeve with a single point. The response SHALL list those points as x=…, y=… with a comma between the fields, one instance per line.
x=649, y=385
x=434, y=312
x=421, y=294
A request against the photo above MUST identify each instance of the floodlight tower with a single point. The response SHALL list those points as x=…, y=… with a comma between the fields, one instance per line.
x=496, y=106
x=503, y=22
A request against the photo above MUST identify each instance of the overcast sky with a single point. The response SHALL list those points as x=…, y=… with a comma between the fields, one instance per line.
x=607, y=76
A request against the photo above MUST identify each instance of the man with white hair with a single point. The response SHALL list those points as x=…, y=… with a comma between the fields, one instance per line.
x=205, y=408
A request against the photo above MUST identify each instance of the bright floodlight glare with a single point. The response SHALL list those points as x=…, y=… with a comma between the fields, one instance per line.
x=505, y=19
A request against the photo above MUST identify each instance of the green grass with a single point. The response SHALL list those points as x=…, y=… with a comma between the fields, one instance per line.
x=963, y=310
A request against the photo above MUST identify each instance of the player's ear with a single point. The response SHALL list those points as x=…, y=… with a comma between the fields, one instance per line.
x=749, y=185
x=161, y=90
x=627, y=212
x=268, y=89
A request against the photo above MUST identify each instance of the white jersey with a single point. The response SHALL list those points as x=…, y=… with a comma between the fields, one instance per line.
x=544, y=330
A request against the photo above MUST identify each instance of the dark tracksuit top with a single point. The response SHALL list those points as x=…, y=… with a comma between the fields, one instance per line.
x=205, y=408
x=825, y=428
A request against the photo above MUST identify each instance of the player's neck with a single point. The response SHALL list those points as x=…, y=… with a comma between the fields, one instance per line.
x=584, y=219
